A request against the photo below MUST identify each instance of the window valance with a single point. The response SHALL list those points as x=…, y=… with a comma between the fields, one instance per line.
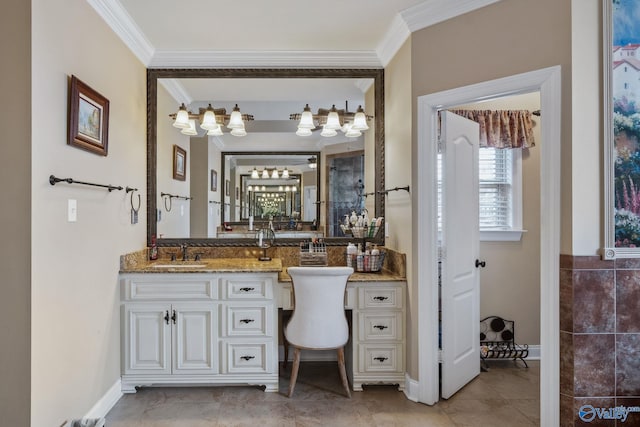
x=502, y=128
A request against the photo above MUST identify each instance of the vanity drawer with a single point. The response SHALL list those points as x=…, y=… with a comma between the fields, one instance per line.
x=381, y=297
x=247, y=357
x=381, y=358
x=380, y=326
x=247, y=287
x=247, y=320
x=169, y=288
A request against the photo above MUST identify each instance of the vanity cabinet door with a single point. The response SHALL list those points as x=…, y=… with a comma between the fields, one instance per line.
x=194, y=339
x=147, y=339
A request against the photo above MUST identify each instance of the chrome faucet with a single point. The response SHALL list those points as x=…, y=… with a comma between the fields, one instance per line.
x=185, y=256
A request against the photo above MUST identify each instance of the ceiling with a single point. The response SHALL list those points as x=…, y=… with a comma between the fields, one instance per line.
x=268, y=34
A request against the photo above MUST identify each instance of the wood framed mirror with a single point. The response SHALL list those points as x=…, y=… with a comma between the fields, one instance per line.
x=372, y=159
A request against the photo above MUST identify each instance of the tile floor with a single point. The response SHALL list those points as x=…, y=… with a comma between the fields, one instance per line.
x=506, y=395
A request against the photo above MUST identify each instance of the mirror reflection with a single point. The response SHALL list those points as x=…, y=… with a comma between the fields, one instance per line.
x=281, y=128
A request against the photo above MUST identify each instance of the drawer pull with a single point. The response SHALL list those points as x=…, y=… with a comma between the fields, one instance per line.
x=247, y=289
x=245, y=321
x=380, y=359
x=247, y=358
x=381, y=327
x=380, y=298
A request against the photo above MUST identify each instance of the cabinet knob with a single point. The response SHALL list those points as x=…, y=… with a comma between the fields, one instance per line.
x=166, y=317
x=173, y=317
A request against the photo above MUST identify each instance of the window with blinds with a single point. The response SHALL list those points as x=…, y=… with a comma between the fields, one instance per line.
x=496, y=179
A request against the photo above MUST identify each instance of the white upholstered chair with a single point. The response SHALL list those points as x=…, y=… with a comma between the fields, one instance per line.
x=318, y=321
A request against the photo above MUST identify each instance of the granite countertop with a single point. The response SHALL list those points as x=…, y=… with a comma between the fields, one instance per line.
x=207, y=265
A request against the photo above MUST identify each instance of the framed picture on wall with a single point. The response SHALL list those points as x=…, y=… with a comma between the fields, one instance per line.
x=88, y=124
x=179, y=163
x=214, y=180
x=621, y=128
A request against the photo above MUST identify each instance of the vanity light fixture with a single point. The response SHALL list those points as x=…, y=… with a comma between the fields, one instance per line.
x=285, y=173
x=211, y=119
x=254, y=174
x=313, y=163
x=350, y=123
x=275, y=174
x=265, y=174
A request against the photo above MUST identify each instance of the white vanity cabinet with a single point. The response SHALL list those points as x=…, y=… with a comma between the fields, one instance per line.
x=376, y=351
x=198, y=328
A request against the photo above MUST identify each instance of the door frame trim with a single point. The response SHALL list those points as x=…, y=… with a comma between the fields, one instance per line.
x=547, y=81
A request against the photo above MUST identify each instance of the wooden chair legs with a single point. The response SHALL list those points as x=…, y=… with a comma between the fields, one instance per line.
x=296, y=367
x=343, y=371
x=294, y=370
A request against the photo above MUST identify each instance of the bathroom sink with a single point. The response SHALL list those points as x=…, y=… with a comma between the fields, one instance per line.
x=178, y=265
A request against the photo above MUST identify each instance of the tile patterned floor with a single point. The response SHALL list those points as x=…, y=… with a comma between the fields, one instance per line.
x=506, y=395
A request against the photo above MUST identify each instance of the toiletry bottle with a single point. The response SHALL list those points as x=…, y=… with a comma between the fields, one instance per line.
x=352, y=252
x=153, y=251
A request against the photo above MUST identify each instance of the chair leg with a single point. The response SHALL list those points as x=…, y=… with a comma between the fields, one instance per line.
x=343, y=371
x=294, y=370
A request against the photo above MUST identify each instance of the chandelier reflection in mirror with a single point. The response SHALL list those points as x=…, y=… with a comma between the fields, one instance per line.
x=350, y=123
x=211, y=120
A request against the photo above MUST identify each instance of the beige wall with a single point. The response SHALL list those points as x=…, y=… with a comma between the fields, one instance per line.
x=506, y=38
x=173, y=223
x=75, y=291
x=500, y=294
x=398, y=107
x=15, y=221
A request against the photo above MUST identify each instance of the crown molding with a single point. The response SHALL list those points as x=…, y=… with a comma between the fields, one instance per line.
x=264, y=58
x=121, y=23
x=432, y=12
x=409, y=20
x=176, y=90
x=393, y=40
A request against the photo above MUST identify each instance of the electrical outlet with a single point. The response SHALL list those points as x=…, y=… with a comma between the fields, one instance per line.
x=72, y=210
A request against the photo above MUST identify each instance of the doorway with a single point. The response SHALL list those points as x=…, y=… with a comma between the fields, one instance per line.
x=547, y=82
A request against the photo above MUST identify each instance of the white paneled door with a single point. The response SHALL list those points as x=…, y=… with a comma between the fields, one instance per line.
x=460, y=293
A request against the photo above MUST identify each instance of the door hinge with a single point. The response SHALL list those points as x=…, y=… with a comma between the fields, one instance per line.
x=440, y=356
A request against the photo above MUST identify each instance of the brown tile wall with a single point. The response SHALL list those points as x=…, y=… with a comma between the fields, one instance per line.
x=599, y=337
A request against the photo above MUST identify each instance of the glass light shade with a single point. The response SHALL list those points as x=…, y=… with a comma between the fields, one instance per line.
x=182, y=118
x=328, y=132
x=209, y=119
x=235, y=121
x=333, y=120
x=249, y=188
x=217, y=131
x=313, y=163
x=265, y=174
x=275, y=174
x=303, y=132
x=254, y=174
x=294, y=189
x=285, y=173
x=191, y=130
x=280, y=188
x=287, y=188
x=238, y=131
x=263, y=188
x=352, y=133
x=306, y=120
x=360, y=120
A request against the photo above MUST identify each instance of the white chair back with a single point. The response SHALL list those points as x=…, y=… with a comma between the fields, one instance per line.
x=318, y=320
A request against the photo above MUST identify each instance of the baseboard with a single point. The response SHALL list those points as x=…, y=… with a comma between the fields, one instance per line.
x=411, y=389
x=534, y=352
x=106, y=402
